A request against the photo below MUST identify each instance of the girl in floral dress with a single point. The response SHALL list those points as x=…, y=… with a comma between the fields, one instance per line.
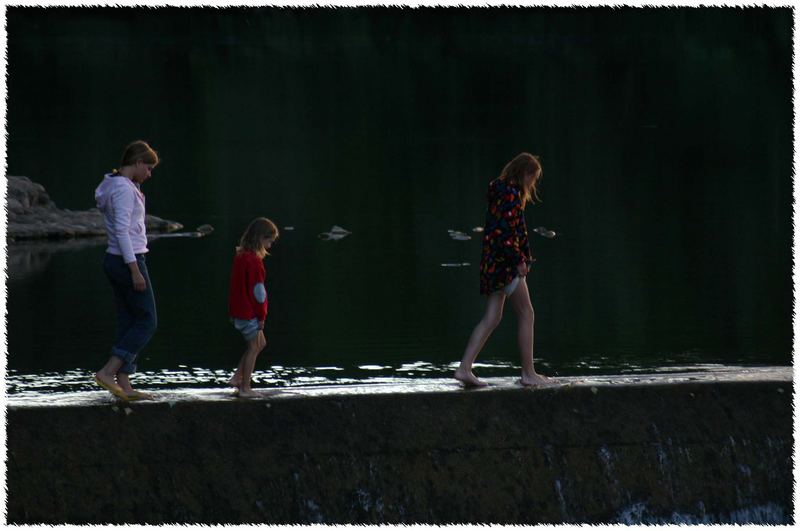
x=505, y=261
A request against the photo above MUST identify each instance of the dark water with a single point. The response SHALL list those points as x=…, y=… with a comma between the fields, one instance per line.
x=665, y=135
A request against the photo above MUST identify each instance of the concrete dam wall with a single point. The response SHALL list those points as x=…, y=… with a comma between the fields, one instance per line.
x=656, y=450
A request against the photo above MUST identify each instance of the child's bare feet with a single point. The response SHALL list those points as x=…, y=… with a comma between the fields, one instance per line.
x=235, y=381
x=248, y=393
x=468, y=379
x=531, y=380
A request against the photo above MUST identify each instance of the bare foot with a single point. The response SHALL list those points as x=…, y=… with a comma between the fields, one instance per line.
x=468, y=379
x=534, y=380
x=107, y=382
x=107, y=379
x=124, y=382
x=248, y=393
x=138, y=395
x=235, y=382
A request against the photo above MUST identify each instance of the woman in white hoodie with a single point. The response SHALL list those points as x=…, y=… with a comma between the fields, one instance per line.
x=120, y=199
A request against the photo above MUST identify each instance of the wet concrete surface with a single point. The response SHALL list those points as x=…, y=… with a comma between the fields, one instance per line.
x=666, y=376
x=712, y=446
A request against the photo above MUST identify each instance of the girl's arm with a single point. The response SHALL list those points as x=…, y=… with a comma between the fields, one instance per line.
x=255, y=283
x=517, y=238
x=123, y=201
x=522, y=238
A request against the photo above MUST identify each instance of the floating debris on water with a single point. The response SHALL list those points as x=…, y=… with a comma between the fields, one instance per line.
x=461, y=264
x=199, y=232
x=458, y=235
x=547, y=233
x=336, y=233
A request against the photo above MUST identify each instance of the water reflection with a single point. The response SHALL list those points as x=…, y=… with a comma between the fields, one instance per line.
x=29, y=258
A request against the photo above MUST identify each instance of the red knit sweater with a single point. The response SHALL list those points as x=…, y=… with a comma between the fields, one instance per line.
x=247, y=297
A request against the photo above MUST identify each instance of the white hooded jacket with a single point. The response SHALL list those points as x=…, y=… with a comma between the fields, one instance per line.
x=122, y=205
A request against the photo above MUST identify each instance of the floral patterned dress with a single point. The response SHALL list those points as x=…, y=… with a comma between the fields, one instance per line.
x=505, y=237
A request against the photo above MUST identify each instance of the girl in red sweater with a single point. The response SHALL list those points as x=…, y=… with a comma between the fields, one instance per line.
x=247, y=298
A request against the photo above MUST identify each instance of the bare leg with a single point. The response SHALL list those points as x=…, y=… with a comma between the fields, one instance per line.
x=236, y=379
x=248, y=362
x=482, y=331
x=521, y=302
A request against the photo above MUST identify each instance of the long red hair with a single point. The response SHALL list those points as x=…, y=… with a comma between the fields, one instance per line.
x=518, y=172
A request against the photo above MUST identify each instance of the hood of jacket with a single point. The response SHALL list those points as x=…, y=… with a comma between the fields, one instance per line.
x=110, y=183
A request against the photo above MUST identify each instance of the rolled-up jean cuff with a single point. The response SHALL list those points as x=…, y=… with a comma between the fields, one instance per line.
x=128, y=360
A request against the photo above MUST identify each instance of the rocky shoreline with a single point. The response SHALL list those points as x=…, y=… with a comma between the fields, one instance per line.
x=32, y=215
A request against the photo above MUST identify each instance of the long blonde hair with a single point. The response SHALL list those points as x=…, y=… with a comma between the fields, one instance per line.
x=516, y=172
x=252, y=239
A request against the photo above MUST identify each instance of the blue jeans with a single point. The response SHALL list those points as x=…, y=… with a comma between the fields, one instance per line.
x=136, y=310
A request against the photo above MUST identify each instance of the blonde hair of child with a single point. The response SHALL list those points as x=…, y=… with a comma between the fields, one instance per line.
x=253, y=237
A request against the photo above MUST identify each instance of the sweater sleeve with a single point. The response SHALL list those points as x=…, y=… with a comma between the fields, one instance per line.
x=123, y=201
x=522, y=238
x=256, y=288
x=516, y=242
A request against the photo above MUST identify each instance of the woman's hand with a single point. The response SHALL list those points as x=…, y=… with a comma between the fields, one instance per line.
x=136, y=276
x=138, y=281
x=522, y=269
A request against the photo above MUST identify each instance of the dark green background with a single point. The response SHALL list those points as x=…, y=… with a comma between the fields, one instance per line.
x=665, y=135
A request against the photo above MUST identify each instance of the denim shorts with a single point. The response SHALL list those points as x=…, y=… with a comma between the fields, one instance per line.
x=248, y=327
